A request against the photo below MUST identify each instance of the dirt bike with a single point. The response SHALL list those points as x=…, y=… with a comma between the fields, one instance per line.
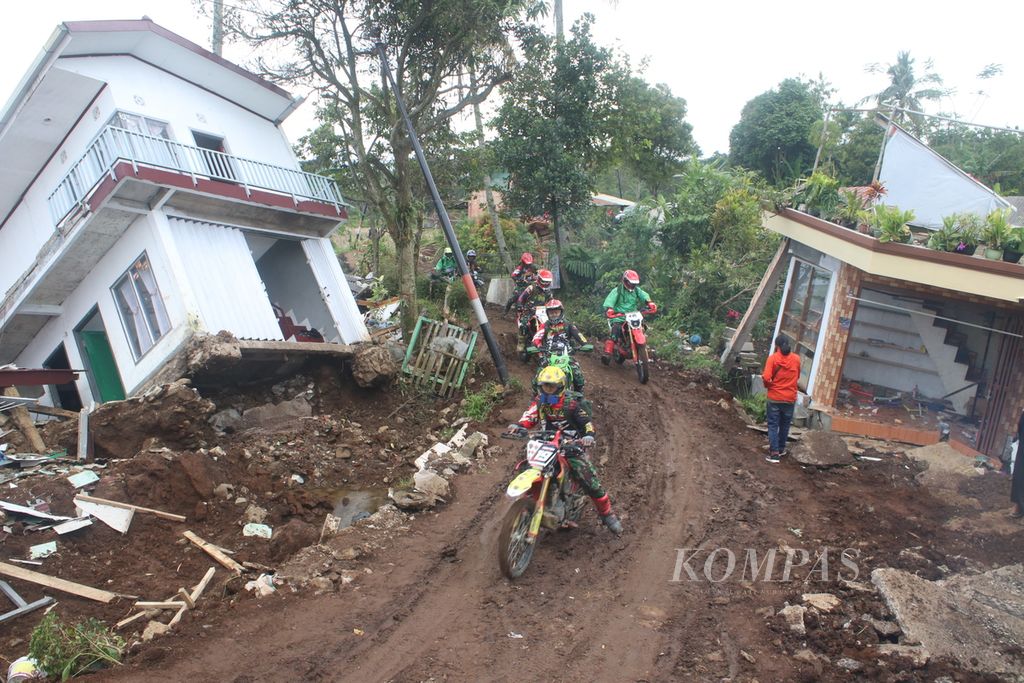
x=635, y=335
x=558, y=352
x=545, y=495
x=528, y=321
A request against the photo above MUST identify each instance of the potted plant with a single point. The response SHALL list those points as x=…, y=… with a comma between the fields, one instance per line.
x=851, y=211
x=968, y=225
x=820, y=194
x=996, y=234
x=946, y=238
x=891, y=224
x=1012, y=249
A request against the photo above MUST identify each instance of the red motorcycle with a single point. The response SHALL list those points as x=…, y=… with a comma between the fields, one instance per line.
x=632, y=344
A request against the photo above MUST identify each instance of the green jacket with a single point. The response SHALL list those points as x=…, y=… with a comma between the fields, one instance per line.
x=621, y=300
x=446, y=263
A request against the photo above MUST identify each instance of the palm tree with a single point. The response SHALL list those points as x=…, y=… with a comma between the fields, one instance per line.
x=906, y=90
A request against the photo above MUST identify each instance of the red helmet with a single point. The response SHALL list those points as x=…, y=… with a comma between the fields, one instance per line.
x=630, y=279
x=554, y=305
x=526, y=259
x=545, y=278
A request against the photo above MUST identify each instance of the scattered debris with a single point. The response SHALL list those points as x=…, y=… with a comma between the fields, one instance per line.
x=83, y=478
x=946, y=466
x=72, y=525
x=961, y=617
x=20, y=605
x=822, y=449
x=128, y=506
x=260, y=530
x=116, y=517
x=58, y=584
x=794, y=617
x=263, y=585
x=214, y=552
x=38, y=552
x=824, y=602
x=918, y=656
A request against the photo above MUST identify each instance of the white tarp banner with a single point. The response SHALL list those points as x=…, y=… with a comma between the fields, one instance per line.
x=917, y=178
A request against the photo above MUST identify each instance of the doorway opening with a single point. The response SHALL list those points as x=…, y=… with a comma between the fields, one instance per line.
x=104, y=377
x=64, y=395
x=215, y=157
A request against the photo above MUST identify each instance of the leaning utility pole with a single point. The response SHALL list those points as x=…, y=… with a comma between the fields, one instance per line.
x=218, y=27
x=446, y=224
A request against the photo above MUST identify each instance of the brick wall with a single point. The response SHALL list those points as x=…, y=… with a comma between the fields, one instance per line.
x=833, y=350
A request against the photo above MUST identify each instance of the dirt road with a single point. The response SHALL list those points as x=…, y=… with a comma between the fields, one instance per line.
x=683, y=472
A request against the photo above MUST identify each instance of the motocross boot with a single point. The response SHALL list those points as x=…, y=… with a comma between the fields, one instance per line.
x=612, y=522
x=609, y=346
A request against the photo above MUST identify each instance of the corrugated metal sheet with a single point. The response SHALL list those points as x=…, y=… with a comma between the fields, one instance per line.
x=334, y=289
x=223, y=275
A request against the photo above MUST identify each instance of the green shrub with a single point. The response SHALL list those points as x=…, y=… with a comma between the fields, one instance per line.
x=67, y=650
x=479, y=404
x=705, y=365
x=756, y=405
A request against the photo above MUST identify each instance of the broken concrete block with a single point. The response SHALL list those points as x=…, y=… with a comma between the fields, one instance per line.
x=816, y=660
x=917, y=655
x=154, y=629
x=822, y=449
x=431, y=483
x=373, y=366
x=961, y=617
x=254, y=514
x=946, y=466
x=824, y=602
x=271, y=416
x=794, y=616
x=226, y=421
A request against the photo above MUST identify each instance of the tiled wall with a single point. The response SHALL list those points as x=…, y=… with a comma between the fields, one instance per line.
x=833, y=350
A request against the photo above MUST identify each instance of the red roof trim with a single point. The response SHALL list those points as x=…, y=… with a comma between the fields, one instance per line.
x=110, y=26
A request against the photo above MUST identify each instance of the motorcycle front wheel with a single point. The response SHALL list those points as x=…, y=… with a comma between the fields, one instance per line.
x=641, y=363
x=514, y=549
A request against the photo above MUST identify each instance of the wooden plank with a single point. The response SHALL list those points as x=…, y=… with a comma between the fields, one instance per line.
x=128, y=506
x=83, y=434
x=25, y=424
x=215, y=553
x=196, y=592
x=127, y=620
x=763, y=292
x=165, y=604
x=58, y=584
x=186, y=598
x=51, y=411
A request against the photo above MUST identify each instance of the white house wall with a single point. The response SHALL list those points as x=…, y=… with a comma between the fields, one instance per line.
x=224, y=280
x=142, y=89
x=95, y=291
x=132, y=86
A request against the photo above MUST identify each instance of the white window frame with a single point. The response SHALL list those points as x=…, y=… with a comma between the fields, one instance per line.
x=141, y=346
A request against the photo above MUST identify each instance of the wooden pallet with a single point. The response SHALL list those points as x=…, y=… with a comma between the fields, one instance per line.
x=438, y=355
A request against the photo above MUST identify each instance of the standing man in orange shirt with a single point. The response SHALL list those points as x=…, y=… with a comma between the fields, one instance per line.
x=781, y=372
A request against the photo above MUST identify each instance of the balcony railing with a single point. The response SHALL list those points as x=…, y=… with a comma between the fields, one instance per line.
x=118, y=144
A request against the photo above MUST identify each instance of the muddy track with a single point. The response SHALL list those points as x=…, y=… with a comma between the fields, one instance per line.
x=436, y=607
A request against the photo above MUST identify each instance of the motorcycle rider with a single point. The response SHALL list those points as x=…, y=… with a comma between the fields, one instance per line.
x=445, y=268
x=474, y=267
x=522, y=275
x=625, y=298
x=556, y=326
x=553, y=409
x=536, y=294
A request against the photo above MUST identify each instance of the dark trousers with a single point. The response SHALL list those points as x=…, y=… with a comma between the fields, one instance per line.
x=780, y=416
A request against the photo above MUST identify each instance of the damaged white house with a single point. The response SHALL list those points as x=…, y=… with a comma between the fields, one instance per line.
x=148, y=194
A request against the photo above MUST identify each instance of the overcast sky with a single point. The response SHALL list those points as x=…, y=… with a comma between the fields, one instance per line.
x=716, y=55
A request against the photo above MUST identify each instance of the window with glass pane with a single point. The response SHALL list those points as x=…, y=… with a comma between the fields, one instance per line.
x=148, y=142
x=140, y=306
x=802, y=313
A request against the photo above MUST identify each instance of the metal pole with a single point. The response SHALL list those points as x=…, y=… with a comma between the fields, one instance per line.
x=446, y=224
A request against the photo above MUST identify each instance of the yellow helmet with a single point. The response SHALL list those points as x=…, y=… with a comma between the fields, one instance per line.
x=551, y=377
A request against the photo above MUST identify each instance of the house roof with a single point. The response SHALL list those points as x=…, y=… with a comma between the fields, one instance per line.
x=50, y=99
x=956, y=272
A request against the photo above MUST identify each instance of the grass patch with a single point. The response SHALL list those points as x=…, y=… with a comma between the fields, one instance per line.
x=702, y=364
x=478, y=405
x=756, y=405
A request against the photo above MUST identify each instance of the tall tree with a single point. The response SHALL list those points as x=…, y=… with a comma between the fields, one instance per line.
x=774, y=132
x=554, y=124
x=330, y=46
x=651, y=137
x=907, y=89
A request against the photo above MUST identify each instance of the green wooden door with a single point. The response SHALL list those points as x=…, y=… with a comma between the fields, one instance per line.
x=103, y=366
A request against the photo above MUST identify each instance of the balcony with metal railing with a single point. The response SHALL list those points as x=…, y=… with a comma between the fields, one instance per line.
x=115, y=145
